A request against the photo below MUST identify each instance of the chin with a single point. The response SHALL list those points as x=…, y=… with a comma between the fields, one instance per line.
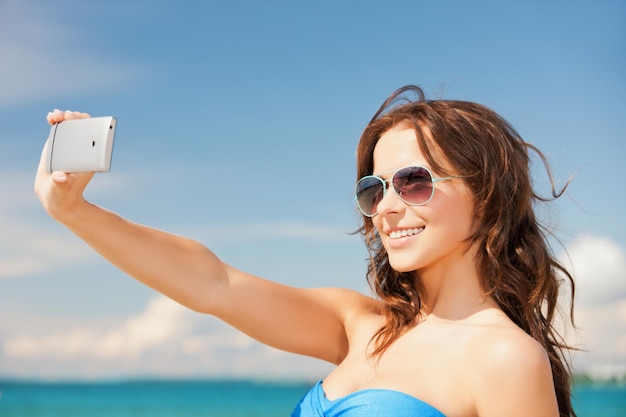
x=402, y=265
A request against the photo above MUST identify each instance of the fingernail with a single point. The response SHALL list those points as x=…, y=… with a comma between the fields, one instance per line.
x=59, y=176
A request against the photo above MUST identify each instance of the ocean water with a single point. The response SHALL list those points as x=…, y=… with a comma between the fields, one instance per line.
x=212, y=398
x=150, y=398
x=595, y=399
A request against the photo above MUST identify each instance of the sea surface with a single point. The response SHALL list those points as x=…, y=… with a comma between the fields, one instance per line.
x=219, y=398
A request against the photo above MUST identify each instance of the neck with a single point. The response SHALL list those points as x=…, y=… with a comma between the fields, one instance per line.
x=453, y=290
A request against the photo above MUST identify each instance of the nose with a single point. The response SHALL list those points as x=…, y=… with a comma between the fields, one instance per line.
x=391, y=202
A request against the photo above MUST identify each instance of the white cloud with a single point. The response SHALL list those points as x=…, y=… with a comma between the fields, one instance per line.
x=599, y=267
x=164, y=339
x=162, y=321
x=302, y=231
x=276, y=230
x=41, y=56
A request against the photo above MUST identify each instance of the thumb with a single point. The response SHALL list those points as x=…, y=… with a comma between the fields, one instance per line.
x=59, y=177
x=75, y=182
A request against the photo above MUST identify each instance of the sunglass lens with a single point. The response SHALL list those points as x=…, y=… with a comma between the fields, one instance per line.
x=413, y=184
x=369, y=192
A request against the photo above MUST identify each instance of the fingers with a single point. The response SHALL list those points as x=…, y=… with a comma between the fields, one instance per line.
x=59, y=191
x=57, y=115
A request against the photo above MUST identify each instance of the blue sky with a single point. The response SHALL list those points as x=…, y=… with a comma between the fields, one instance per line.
x=237, y=126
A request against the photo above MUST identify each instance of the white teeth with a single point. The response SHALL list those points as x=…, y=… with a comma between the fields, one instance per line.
x=405, y=232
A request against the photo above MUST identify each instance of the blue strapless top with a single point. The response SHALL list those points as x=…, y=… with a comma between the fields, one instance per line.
x=364, y=403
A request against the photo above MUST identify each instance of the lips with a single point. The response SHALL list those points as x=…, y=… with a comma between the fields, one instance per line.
x=397, y=234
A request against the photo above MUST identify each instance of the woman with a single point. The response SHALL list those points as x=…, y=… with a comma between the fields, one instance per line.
x=466, y=285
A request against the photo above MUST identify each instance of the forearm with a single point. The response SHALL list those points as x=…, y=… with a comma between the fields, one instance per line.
x=180, y=268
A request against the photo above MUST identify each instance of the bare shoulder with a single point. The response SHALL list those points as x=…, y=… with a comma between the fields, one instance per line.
x=353, y=309
x=514, y=376
x=358, y=304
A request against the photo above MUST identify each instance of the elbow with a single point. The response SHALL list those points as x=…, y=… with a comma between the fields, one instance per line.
x=203, y=283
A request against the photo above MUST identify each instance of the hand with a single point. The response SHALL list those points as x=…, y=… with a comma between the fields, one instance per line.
x=60, y=192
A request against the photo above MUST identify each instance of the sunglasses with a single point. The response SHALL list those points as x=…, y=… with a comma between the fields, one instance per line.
x=414, y=185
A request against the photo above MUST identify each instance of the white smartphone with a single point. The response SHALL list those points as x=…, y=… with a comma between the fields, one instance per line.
x=81, y=145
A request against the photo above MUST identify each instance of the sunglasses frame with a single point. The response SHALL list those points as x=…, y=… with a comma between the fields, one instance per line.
x=390, y=182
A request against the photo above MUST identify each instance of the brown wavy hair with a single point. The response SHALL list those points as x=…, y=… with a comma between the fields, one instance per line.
x=516, y=264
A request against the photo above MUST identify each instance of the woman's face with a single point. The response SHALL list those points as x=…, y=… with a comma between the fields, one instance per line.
x=420, y=238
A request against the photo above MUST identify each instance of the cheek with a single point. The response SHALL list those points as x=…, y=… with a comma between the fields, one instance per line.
x=461, y=227
x=458, y=214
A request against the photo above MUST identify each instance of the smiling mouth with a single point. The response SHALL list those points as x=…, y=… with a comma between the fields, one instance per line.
x=396, y=234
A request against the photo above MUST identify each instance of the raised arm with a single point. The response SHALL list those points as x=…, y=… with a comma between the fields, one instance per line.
x=304, y=321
